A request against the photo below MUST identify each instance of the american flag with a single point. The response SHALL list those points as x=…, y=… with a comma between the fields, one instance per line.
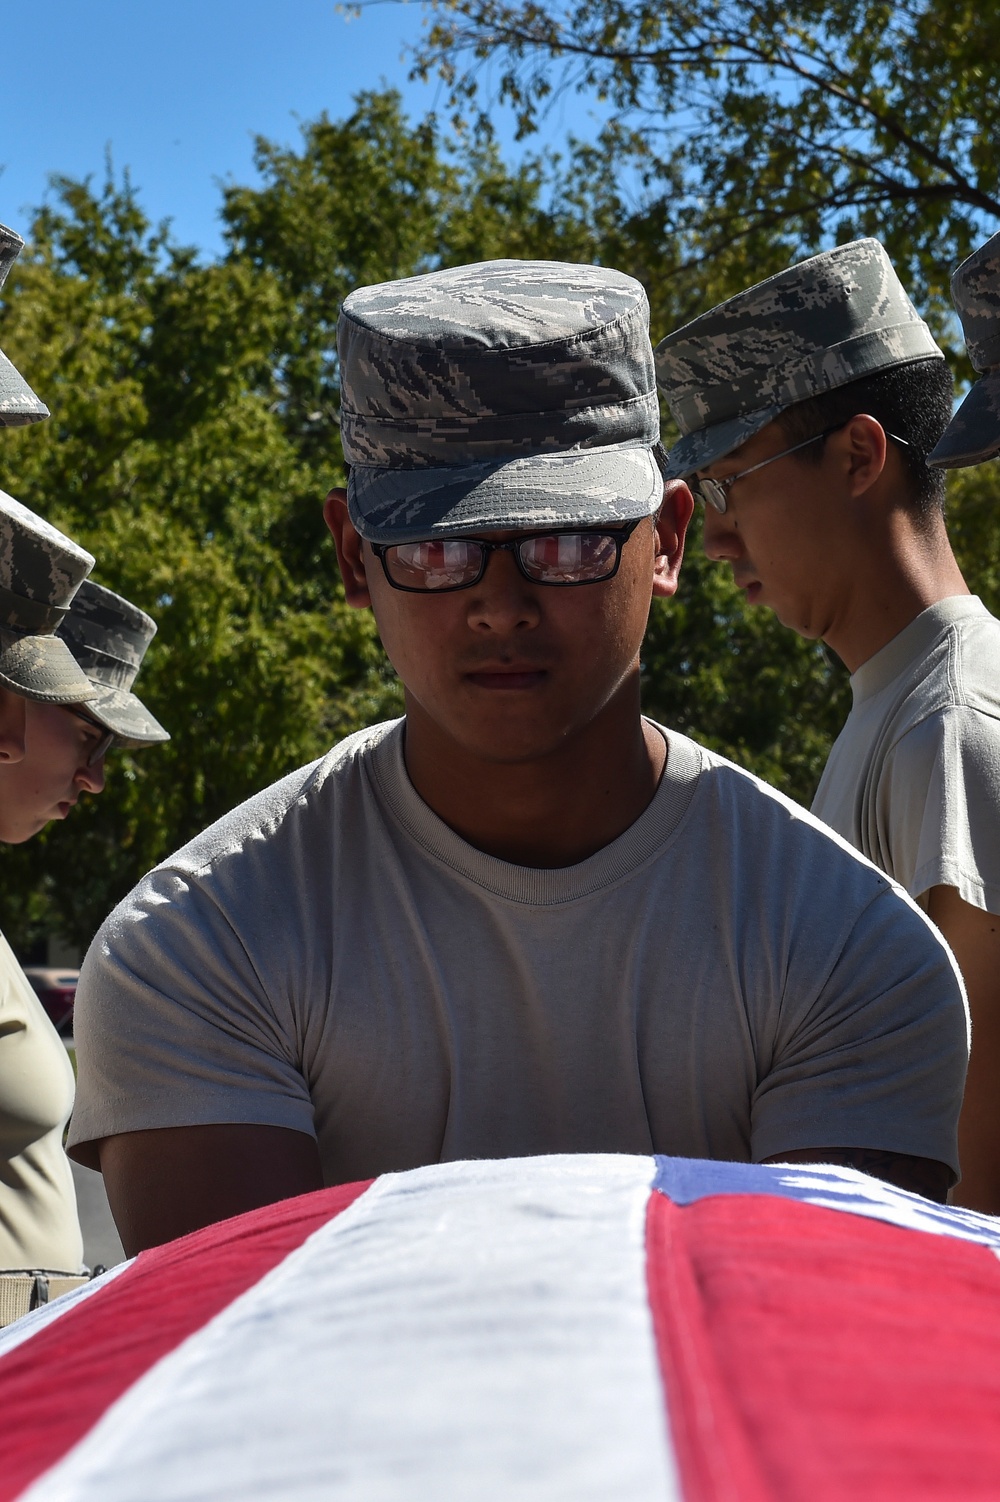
x=574, y=1327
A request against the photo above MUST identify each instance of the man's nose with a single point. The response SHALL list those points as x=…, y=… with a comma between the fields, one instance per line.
x=503, y=600
x=722, y=541
x=91, y=779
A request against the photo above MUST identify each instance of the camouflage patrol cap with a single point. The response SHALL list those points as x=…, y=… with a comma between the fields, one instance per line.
x=509, y=394
x=819, y=325
x=974, y=432
x=40, y=572
x=108, y=636
x=18, y=403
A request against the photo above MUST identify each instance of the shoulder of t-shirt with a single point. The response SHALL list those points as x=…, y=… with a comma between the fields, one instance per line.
x=974, y=663
x=756, y=801
x=826, y=864
x=959, y=698
x=296, y=795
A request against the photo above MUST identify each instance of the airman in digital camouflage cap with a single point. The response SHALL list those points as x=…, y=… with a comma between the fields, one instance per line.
x=819, y=325
x=40, y=572
x=18, y=403
x=504, y=394
x=973, y=434
x=808, y=407
x=108, y=636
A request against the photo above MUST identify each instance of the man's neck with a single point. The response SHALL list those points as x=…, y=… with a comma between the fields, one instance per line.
x=551, y=812
x=895, y=577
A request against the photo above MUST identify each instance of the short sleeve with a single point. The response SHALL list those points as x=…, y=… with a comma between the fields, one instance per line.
x=878, y=1058
x=174, y=1026
x=938, y=806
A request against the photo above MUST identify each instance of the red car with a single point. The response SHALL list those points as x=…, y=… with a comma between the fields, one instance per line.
x=56, y=990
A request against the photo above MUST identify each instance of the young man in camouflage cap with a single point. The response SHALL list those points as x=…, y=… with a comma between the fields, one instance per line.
x=524, y=919
x=972, y=437
x=808, y=407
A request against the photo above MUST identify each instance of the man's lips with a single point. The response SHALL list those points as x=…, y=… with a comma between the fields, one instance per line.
x=751, y=587
x=507, y=676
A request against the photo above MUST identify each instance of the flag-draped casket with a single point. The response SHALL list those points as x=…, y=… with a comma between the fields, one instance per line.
x=572, y=1328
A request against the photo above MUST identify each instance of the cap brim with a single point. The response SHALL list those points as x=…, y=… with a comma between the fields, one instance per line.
x=701, y=449
x=44, y=668
x=18, y=403
x=586, y=487
x=973, y=435
x=127, y=716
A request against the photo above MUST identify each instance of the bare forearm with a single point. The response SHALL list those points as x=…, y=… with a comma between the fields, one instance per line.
x=974, y=937
x=162, y=1184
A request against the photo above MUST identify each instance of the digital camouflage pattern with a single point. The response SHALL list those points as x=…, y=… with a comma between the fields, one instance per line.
x=507, y=394
x=821, y=324
x=108, y=636
x=18, y=403
x=974, y=432
x=40, y=572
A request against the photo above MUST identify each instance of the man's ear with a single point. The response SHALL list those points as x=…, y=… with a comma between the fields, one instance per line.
x=862, y=447
x=350, y=553
x=671, y=527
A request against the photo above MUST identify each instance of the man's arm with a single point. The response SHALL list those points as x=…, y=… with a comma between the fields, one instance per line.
x=974, y=938
x=164, y=1183
x=919, y=1175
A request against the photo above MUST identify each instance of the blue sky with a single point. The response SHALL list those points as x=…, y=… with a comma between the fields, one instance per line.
x=178, y=90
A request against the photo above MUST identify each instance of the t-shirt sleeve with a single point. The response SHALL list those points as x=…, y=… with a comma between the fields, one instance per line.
x=174, y=1025
x=876, y=1057
x=939, y=806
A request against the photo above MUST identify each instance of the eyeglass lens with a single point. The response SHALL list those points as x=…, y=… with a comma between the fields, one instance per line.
x=450, y=563
x=711, y=492
x=101, y=749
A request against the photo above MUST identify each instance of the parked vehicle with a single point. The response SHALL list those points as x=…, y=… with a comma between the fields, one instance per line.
x=56, y=990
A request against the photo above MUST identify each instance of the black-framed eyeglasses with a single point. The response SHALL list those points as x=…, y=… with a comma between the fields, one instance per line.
x=562, y=559
x=100, y=748
x=715, y=493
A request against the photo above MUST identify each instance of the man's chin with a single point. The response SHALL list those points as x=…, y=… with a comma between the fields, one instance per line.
x=21, y=835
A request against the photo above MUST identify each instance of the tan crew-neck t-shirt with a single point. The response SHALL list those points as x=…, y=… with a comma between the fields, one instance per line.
x=913, y=780
x=39, y=1226
x=725, y=980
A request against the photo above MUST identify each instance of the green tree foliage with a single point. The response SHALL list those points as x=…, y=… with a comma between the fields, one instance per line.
x=195, y=432
x=812, y=121
x=740, y=135
x=192, y=439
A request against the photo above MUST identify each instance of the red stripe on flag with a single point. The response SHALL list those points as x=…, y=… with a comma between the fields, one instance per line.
x=55, y=1386
x=813, y=1354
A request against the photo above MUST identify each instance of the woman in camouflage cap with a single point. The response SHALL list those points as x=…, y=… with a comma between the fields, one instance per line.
x=106, y=637
x=66, y=731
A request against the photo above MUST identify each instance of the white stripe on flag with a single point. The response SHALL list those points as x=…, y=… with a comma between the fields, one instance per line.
x=470, y=1331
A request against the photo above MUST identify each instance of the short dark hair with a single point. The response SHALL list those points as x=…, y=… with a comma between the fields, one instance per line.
x=914, y=401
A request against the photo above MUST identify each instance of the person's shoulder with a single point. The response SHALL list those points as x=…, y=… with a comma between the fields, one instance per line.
x=260, y=858
x=974, y=643
x=744, y=792
x=759, y=824
x=307, y=794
